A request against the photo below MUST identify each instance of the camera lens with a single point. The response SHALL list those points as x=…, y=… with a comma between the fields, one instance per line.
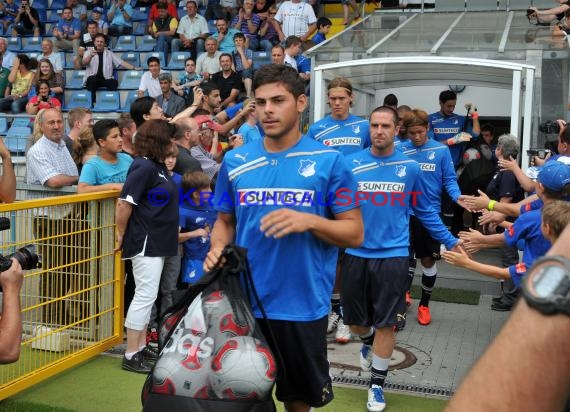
x=27, y=257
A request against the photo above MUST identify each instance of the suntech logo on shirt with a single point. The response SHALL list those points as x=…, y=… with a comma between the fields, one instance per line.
x=276, y=197
x=342, y=141
x=381, y=187
x=427, y=167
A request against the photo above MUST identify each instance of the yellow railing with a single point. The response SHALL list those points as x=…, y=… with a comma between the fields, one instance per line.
x=72, y=305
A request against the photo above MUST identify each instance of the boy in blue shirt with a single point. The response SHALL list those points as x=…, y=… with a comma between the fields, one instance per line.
x=108, y=170
x=323, y=26
x=265, y=201
x=197, y=218
x=374, y=275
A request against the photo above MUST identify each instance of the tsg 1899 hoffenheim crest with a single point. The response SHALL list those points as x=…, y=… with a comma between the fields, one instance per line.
x=400, y=171
x=431, y=155
x=356, y=129
x=307, y=168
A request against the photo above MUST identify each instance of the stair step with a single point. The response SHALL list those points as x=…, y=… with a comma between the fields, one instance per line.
x=336, y=8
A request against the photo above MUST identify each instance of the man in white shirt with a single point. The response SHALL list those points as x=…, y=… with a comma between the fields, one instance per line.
x=209, y=63
x=297, y=19
x=149, y=80
x=54, y=58
x=192, y=30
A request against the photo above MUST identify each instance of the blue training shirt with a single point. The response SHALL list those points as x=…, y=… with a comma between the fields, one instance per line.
x=437, y=169
x=395, y=187
x=97, y=171
x=527, y=228
x=347, y=136
x=443, y=127
x=293, y=275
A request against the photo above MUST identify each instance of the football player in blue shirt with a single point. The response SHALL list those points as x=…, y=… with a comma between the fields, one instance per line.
x=374, y=275
x=346, y=133
x=341, y=130
x=438, y=174
x=269, y=200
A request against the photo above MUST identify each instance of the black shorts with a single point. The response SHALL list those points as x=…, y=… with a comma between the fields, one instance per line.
x=422, y=242
x=304, y=374
x=373, y=290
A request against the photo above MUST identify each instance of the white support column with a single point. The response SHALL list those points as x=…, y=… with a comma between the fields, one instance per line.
x=527, y=110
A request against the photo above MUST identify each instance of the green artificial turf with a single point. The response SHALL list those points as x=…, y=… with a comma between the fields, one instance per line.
x=466, y=297
x=101, y=385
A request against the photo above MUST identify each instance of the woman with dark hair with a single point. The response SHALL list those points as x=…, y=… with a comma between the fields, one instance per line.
x=55, y=81
x=20, y=78
x=147, y=232
x=42, y=100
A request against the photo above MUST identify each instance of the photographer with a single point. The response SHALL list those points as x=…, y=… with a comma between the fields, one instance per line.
x=27, y=21
x=42, y=100
x=11, y=319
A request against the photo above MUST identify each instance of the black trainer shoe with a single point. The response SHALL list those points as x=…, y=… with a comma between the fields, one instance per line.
x=502, y=306
x=149, y=354
x=136, y=364
x=497, y=299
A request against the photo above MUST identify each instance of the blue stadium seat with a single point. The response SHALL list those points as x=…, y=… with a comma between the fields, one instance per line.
x=42, y=13
x=16, y=139
x=146, y=43
x=260, y=58
x=40, y=4
x=107, y=101
x=140, y=14
x=76, y=80
x=32, y=44
x=126, y=43
x=34, y=55
x=79, y=99
x=14, y=44
x=57, y=4
x=212, y=26
x=3, y=125
x=160, y=56
x=131, y=80
x=67, y=59
x=20, y=122
x=177, y=60
x=129, y=99
x=52, y=16
x=132, y=58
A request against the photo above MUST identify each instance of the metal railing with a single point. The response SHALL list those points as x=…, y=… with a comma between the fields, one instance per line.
x=71, y=306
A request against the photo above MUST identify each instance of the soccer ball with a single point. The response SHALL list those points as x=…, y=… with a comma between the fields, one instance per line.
x=470, y=155
x=221, y=320
x=243, y=368
x=184, y=376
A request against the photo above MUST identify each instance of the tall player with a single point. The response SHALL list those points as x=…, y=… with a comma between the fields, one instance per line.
x=346, y=133
x=292, y=241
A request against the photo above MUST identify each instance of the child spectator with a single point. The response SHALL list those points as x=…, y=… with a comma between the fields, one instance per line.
x=97, y=15
x=107, y=170
x=243, y=59
x=8, y=12
x=250, y=130
x=248, y=23
x=555, y=217
x=323, y=26
x=187, y=80
x=42, y=100
x=197, y=219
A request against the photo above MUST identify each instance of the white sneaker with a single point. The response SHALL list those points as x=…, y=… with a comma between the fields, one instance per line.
x=366, y=353
x=342, y=332
x=333, y=321
x=376, y=402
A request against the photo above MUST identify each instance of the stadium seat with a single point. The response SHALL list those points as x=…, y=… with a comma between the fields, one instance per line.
x=212, y=26
x=126, y=43
x=14, y=44
x=20, y=122
x=160, y=56
x=177, y=60
x=40, y=4
x=16, y=139
x=107, y=101
x=131, y=80
x=57, y=4
x=146, y=43
x=67, y=60
x=140, y=14
x=139, y=28
x=32, y=44
x=78, y=99
x=52, y=16
x=260, y=58
x=3, y=125
x=131, y=96
x=34, y=55
x=42, y=13
x=76, y=80
x=132, y=58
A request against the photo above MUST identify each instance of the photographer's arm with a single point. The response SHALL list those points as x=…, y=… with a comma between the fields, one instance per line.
x=11, y=320
x=8, y=178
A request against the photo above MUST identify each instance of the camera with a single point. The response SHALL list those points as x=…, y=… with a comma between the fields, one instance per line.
x=549, y=127
x=540, y=153
x=529, y=12
x=26, y=256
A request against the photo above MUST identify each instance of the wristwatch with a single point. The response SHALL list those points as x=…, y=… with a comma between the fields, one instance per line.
x=546, y=287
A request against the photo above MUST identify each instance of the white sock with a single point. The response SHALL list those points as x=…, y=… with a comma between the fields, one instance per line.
x=129, y=355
